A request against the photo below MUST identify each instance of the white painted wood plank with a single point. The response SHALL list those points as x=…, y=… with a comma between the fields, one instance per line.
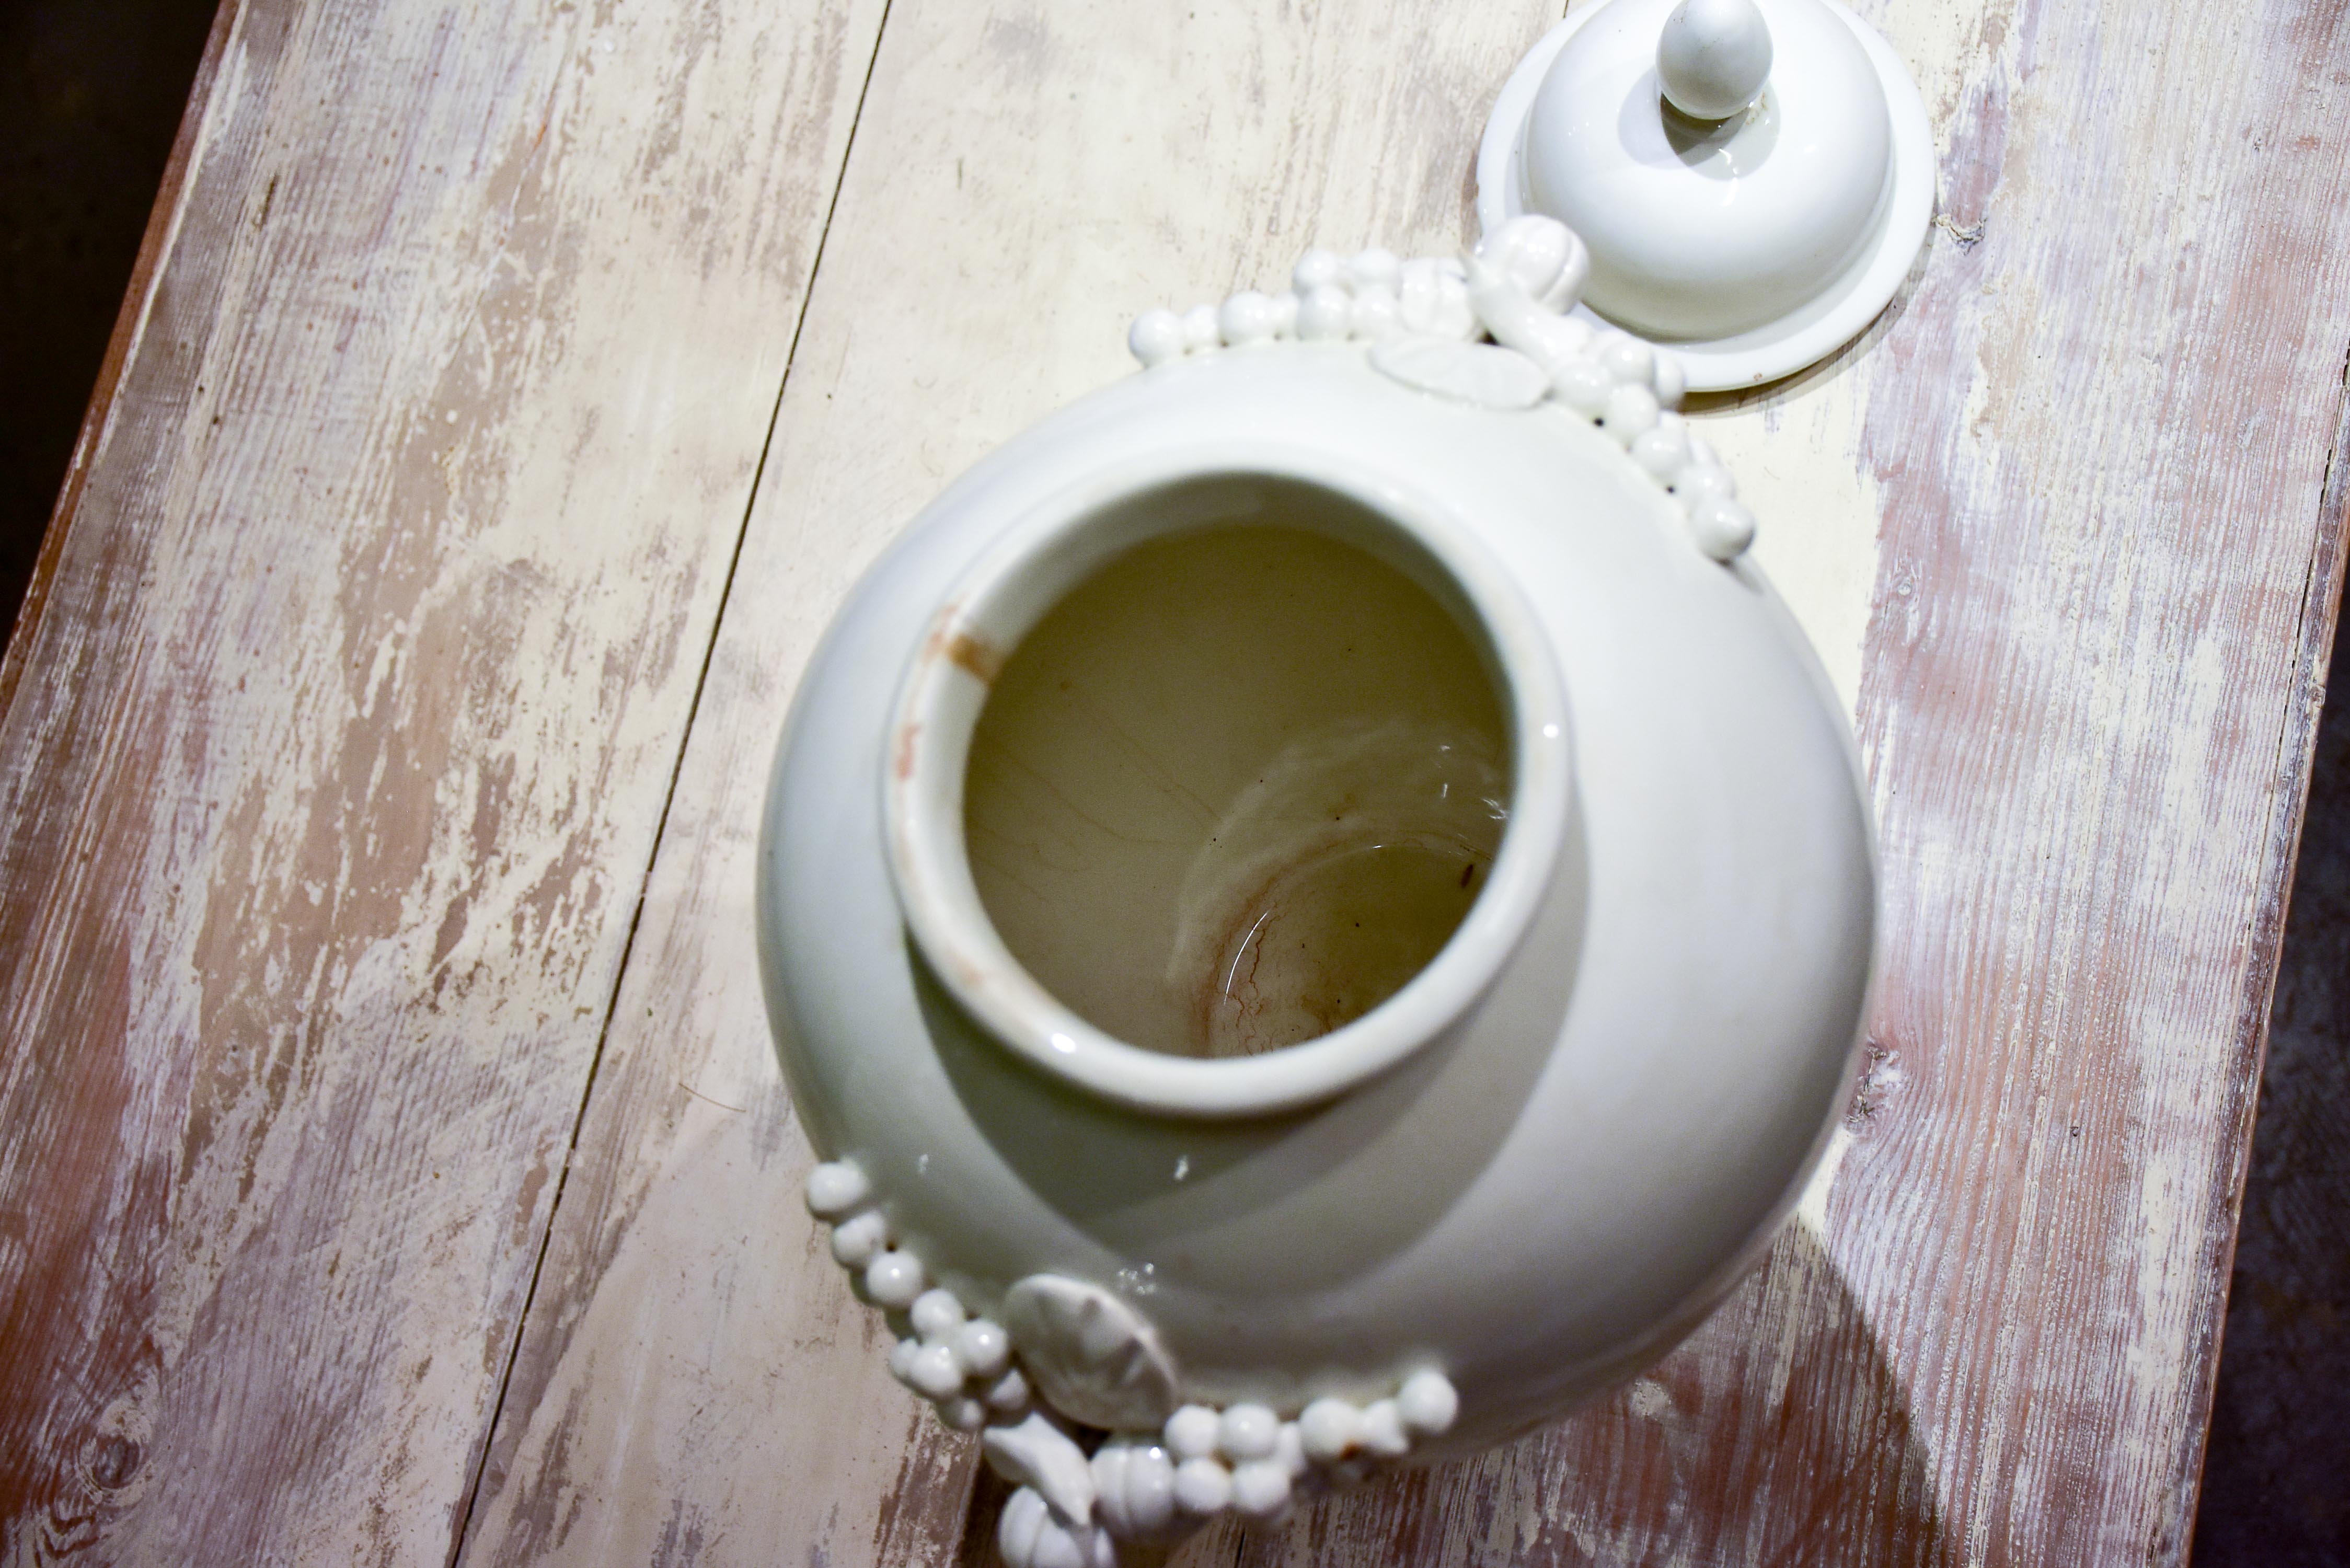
x=335, y=745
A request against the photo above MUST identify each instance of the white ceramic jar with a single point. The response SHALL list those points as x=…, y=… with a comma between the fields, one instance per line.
x=1316, y=908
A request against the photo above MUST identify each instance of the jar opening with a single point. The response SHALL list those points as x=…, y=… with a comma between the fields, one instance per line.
x=1218, y=791
x=1239, y=785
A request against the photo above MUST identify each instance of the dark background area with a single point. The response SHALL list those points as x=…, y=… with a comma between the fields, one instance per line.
x=91, y=97
x=91, y=93
x=2276, y=1477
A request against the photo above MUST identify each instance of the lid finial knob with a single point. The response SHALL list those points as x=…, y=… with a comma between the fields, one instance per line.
x=1713, y=57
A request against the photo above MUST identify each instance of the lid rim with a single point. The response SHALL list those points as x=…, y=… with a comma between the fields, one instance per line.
x=1844, y=303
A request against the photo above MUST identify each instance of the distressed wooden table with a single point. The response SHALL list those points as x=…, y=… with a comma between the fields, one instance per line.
x=392, y=1167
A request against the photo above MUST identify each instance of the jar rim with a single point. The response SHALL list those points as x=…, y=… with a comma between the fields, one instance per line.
x=1042, y=556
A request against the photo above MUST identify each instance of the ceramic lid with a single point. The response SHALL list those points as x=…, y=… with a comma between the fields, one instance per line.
x=1752, y=177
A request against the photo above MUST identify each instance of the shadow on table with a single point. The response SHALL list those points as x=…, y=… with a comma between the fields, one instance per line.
x=1832, y=1471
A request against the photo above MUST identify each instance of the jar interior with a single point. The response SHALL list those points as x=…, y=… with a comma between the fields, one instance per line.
x=1243, y=782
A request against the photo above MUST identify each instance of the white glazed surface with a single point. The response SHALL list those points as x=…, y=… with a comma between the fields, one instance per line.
x=1557, y=1186
x=1757, y=246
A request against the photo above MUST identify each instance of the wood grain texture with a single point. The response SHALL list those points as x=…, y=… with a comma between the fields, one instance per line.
x=335, y=753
